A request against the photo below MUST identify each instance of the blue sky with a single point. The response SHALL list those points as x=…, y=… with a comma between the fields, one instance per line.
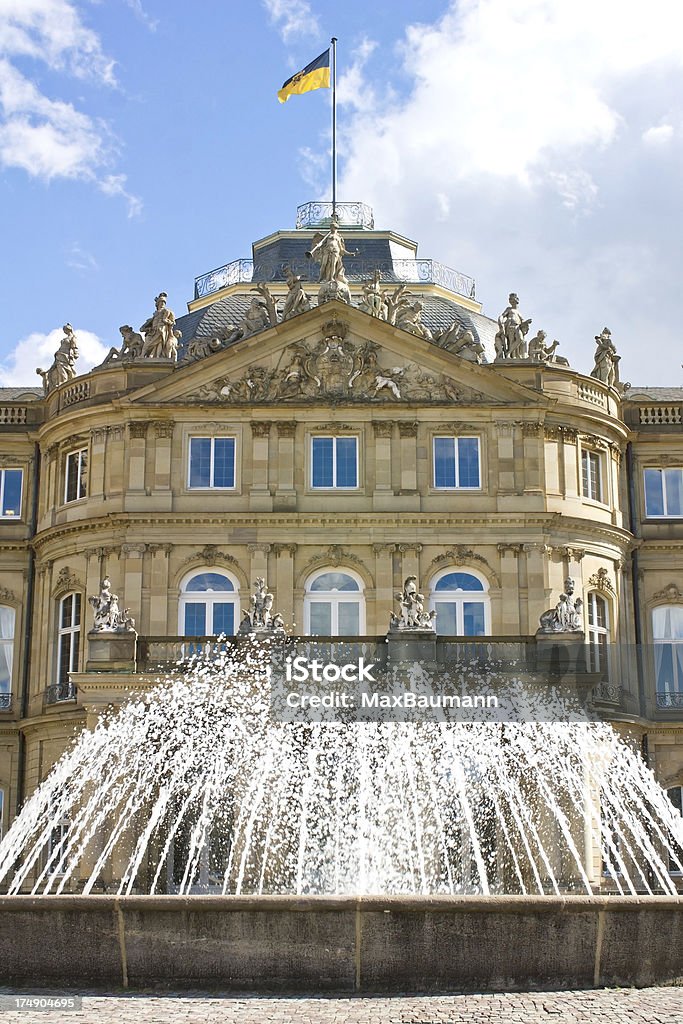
x=534, y=145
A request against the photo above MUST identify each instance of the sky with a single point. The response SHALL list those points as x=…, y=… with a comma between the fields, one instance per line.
x=535, y=145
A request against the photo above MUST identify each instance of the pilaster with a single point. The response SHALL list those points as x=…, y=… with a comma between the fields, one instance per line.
x=509, y=583
x=285, y=494
x=260, y=498
x=284, y=582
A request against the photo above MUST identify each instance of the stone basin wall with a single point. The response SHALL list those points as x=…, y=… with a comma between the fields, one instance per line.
x=341, y=944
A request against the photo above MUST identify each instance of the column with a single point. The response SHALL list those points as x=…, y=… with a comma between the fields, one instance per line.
x=161, y=487
x=383, y=493
x=538, y=591
x=410, y=560
x=509, y=584
x=98, y=440
x=158, y=599
x=259, y=496
x=384, y=585
x=114, y=461
x=137, y=433
x=258, y=566
x=571, y=480
x=131, y=585
x=285, y=494
x=506, y=458
x=532, y=457
x=284, y=584
x=408, y=458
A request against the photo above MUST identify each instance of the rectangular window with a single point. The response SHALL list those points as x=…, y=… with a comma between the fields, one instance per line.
x=11, y=484
x=69, y=643
x=456, y=462
x=76, y=477
x=591, y=475
x=212, y=462
x=664, y=493
x=334, y=462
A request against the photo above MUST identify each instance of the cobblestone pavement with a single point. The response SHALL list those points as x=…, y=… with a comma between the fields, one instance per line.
x=606, y=1006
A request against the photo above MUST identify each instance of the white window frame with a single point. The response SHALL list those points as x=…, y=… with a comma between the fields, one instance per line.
x=665, y=514
x=456, y=438
x=208, y=597
x=460, y=598
x=78, y=453
x=335, y=598
x=212, y=438
x=334, y=486
x=66, y=634
x=591, y=453
x=4, y=470
x=598, y=649
x=666, y=642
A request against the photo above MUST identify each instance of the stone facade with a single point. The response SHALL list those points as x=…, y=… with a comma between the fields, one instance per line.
x=127, y=506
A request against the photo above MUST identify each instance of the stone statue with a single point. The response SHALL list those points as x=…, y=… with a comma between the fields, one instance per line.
x=328, y=251
x=297, y=301
x=461, y=342
x=412, y=614
x=539, y=352
x=396, y=301
x=108, y=618
x=255, y=319
x=510, y=340
x=606, y=366
x=130, y=349
x=259, y=617
x=198, y=348
x=390, y=380
x=161, y=337
x=64, y=365
x=566, y=616
x=409, y=318
x=374, y=301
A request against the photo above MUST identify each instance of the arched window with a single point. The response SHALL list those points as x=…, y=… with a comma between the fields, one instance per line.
x=69, y=646
x=598, y=632
x=334, y=604
x=667, y=633
x=208, y=605
x=7, y=618
x=462, y=604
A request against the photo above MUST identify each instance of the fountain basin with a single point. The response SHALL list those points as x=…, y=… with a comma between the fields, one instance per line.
x=352, y=944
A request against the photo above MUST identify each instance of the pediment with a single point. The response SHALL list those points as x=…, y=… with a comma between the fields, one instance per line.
x=334, y=355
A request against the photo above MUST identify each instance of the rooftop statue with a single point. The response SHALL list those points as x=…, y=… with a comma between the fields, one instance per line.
x=257, y=317
x=412, y=614
x=461, y=342
x=510, y=340
x=259, y=617
x=108, y=618
x=198, y=348
x=296, y=301
x=539, y=352
x=374, y=301
x=328, y=251
x=161, y=337
x=64, y=364
x=606, y=366
x=566, y=616
x=130, y=349
x=409, y=318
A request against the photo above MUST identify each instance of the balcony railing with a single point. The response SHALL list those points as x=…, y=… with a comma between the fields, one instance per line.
x=392, y=271
x=5, y=701
x=60, y=692
x=669, y=701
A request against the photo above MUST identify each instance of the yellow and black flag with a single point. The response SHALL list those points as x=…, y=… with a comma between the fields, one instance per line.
x=315, y=75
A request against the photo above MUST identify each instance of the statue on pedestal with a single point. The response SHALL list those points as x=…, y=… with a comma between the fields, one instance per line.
x=606, y=366
x=566, y=616
x=108, y=618
x=131, y=347
x=409, y=318
x=259, y=617
x=412, y=614
x=328, y=250
x=510, y=340
x=161, y=336
x=297, y=301
x=64, y=365
x=374, y=301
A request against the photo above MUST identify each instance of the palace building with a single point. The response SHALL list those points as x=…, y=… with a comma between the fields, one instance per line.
x=333, y=416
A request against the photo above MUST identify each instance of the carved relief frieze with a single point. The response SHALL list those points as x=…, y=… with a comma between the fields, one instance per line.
x=163, y=428
x=210, y=555
x=260, y=428
x=670, y=593
x=407, y=429
x=383, y=428
x=138, y=429
x=7, y=595
x=67, y=581
x=282, y=549
x=286, y=428
x=600, y=581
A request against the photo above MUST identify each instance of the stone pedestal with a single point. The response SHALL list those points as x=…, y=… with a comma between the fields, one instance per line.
x=562, y=655
x=111, y=652
x=411, y=645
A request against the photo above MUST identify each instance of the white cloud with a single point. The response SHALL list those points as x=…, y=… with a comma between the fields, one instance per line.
x=292, y=18
x=45, y=137
x=658, y=135
x=79, y=259
x=37, y=350
x=515, y=154
x=139, y=11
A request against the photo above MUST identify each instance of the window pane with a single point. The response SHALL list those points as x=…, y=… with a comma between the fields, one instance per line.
x=195, y=619
x=446, y=621
x=200, y=462
x=444, y=462
x=654, y=498
x=7, y=617
x=321, y=618
x=468, y=461
x=349, y=618
x=459, y=581
x=75, y=648
x=64, y=665
x=72, y=476
x=347, y=475
x=667, y=623
x=5, y=666
x=77, y=609
x=11, y=495
x=473, y=618
x=224, y=618
x=82, y=461
x=664, y=667
x=67, y=611
x=323, y=472
x=208, y=581
x=585, y=481
x=334, y=581
x=224, y=462
x=674, y=491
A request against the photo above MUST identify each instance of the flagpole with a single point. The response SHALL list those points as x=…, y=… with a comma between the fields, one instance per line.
x=334, y=125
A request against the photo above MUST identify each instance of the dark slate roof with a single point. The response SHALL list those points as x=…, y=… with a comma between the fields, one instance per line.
x=270, y=261
x=637, y=394
x=25, y=394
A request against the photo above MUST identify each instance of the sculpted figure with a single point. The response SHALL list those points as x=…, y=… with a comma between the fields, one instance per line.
x=461, y=342
x=389, y=379
x=161, y=337
x=606, y=366
x=374, y=301
x=566, y=616
x=108, y=618
x=412, y=614
x=539, y=352
x=64, y=365
x=409, y=318
x=255, y=319
x=510, y=340
x=259, y=616
x=396, y=301
x=328, y=251
x=197, y=348
x=130, y=349
x=297, y=301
